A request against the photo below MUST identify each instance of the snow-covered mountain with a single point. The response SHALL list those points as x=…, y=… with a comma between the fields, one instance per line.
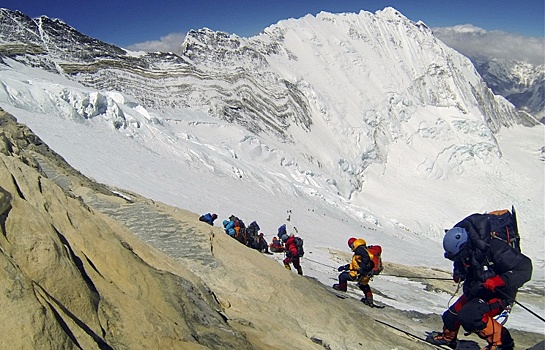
x=353, y=122
x=511, y=65
x=520, y=83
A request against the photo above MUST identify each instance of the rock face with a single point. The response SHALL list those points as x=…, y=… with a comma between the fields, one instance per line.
x=75, y=274
x=73, y=278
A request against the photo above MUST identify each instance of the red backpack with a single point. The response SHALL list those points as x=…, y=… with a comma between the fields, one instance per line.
x=376, y=251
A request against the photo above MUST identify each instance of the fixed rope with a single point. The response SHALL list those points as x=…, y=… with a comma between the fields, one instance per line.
x=520, y=304
x=440, y=279
x=384, y=274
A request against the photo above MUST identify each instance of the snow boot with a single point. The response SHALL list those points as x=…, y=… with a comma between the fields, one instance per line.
x=287, y=266
x=368, y=301
x=300, y=271
x=447, y=337
x=498, y=338
x=506, y=340
x=367, y=294
x=341, y=286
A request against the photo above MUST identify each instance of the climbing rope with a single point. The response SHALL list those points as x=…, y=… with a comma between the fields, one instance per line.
x=520, y=304
x=502, y=315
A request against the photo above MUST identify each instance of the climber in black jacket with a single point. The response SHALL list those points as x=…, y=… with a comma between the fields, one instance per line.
x=492, y=272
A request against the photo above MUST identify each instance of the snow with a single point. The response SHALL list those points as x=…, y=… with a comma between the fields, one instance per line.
x=199, y=163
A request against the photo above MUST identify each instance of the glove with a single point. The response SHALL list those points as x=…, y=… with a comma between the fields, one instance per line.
x=458, y=276
x=289, y=254
x=458, y=279
x=343, y=268
x=494, y=282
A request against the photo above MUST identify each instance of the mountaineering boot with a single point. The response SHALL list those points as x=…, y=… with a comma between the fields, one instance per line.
x=367, y=295
x=448, y=338
x=495, y=334
x=368, y=301
x=506, y=340
x=341, y=286
x=287, y=266
x=300, y=271
x=492, y=333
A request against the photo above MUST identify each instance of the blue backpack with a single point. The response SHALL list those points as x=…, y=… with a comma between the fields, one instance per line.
x=282, y=231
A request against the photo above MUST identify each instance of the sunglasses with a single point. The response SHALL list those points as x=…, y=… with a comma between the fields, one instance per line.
x=462, y=254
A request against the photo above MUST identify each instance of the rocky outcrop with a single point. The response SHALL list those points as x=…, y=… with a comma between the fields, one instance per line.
x=73, y=278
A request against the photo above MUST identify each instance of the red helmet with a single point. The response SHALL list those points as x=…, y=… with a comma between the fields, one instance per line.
x=350, y=241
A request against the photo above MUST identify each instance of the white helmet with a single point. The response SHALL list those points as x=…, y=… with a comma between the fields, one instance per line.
x=454, y=242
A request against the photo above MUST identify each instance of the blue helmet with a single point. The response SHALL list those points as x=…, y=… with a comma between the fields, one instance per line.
x=454, y=242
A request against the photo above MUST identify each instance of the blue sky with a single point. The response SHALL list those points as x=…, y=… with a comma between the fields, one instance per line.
x=125, y=23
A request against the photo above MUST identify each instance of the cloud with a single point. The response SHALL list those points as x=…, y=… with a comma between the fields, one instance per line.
x=473, y=41
x=168, y=43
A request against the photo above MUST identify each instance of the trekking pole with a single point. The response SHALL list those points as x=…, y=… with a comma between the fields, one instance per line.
x=524, y=307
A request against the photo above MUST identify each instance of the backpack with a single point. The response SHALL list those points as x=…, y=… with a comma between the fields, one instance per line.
x=299, y=245
x=503, y=226
x=254, y=228
x=376, y=251
x=282, y=231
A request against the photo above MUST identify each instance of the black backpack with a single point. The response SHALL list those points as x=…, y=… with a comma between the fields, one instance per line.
x=299, y=245
x=253, y=228
x=503, y=226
